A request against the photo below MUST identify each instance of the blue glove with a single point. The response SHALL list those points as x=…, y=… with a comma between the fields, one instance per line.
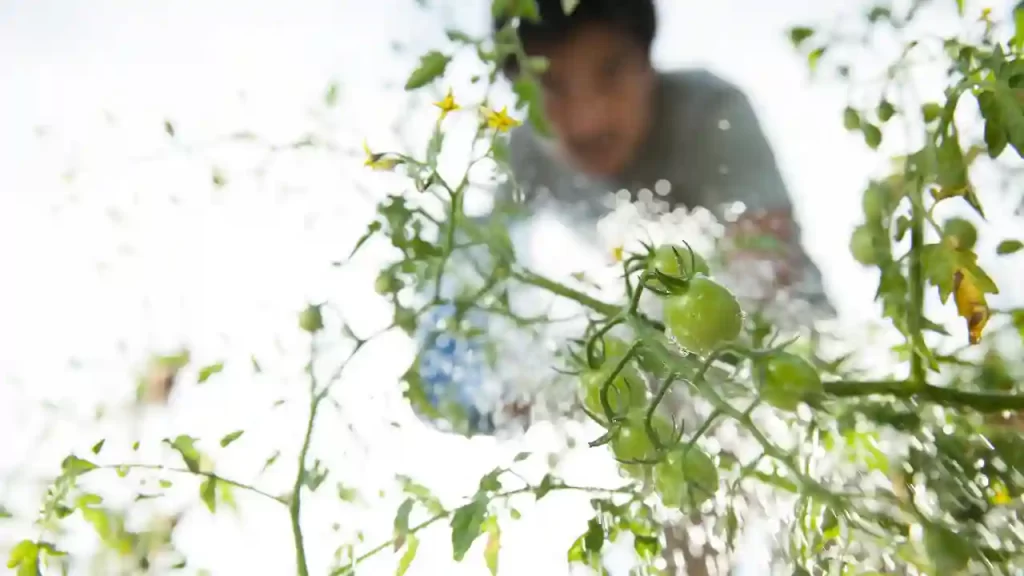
x=452, y=369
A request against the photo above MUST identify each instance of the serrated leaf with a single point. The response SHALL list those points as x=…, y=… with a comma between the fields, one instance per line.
x=1009, y=247
x=432, y=66
x=207, y=371
x=208, y=493
x=229, y=438
x=465, y=524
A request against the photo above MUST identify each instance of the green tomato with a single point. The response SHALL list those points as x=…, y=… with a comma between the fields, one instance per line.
x=627, y=386
x=862, y=246
x=634, y=443
x=686, y=477
x=311, y=320
x=633, y=393
x=962, y=232
x=786, y=379
x=704, y=317
x=666, y=261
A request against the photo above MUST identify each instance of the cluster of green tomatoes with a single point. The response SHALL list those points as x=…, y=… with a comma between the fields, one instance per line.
x=702, y=316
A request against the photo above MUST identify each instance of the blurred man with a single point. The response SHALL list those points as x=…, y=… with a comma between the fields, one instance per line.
x=618, y=123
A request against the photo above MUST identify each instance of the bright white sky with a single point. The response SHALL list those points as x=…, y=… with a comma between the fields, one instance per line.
x=113, y=243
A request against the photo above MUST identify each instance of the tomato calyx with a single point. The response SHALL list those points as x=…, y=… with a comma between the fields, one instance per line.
x=670, y=268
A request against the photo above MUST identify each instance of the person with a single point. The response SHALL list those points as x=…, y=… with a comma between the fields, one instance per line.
x=617, y=122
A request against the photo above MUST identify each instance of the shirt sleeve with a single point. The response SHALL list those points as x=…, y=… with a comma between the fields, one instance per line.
x=738, y=165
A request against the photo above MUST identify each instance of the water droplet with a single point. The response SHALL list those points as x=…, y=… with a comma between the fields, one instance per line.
x=724, y=124
x=723, y=169
x=662, y=187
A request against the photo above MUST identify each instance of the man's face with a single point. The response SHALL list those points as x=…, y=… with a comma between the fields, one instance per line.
x=597, y=96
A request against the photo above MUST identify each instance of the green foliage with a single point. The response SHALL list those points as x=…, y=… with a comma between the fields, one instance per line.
x=951, y=409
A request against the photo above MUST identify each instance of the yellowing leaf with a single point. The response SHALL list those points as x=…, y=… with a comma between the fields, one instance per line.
x=970, y=304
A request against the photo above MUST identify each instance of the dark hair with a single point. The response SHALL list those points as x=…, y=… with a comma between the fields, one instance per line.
x=635, y=18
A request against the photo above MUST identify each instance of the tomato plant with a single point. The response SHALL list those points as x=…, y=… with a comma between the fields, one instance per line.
x=906, y=460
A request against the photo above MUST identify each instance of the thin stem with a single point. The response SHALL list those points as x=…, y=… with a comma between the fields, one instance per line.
x=210, y=475
x=295, y=505
x=916, y=310
x=347, y=570
x=979, y=401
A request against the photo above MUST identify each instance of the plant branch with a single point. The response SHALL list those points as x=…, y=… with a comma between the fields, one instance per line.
x=204, y=474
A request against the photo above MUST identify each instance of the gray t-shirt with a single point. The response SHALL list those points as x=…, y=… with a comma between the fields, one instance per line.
x=707, y=144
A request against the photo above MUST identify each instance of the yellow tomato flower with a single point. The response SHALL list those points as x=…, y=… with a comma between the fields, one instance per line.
x=447, y=104
x=499, y=119
x=378, y=161
x=1000, y=496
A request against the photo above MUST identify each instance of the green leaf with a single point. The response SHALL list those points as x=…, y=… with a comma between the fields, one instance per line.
x=815, y=57
x=931, y=111
x=798, y=34
x=885, y=110
x=98, y=447
x=208, y=493
x=493, y=545
x=166, y=483
x=872, y=135
x=528, y=95
x=948, y=552
x=135, y=446
x=490, y=482
x=851, y=119
x=1018, y=20
x=185, y=445
x=402, y=521
x=960, y=7
x=1009, y=247
x=74, y=466
x=528, y=9
x=229, y=438
x=207, y=371
x=412, y=544
x=432, y=66
x=24, y=550
x=522, y=456
x=459, y=36
x=546, y=484
x=996, y=136
x=434, y=145
x=466, y=523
